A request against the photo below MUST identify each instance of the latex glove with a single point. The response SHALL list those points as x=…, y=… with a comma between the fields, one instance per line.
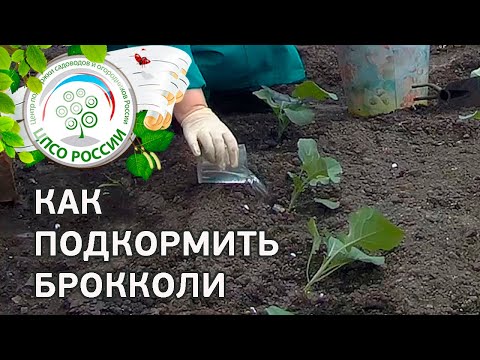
x=208, y=136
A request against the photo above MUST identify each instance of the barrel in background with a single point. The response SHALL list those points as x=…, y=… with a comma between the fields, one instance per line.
x=378, y=79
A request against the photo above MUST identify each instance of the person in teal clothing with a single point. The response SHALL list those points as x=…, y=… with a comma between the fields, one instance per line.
x=227, y=68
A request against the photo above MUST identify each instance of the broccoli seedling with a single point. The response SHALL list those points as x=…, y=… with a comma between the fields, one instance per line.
x=314, y=170
x=368, y=230
x=294, y=108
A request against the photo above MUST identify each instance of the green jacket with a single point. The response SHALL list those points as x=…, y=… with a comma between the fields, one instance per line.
x=240, y=67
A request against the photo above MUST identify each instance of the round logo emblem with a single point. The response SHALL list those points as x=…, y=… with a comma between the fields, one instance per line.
x=85, y=114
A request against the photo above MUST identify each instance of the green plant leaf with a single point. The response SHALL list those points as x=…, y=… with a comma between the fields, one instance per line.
x=314, y=165
x=328, y=203
x=34, y=84
x=317, y=172
x=44, y=46
x=372, y=231
x=5, y=81
x=6, y=123
x=274, y=98
x=1, y=146
x=280, y=98
x=36, y=58
x=7, y=106
x=286, y=108
x=37, y=157
x=23, y=68
x=317, y=238
x=356, y=254
x=283, y=122
x=157, y=141
x=307, y=149
x=74, y=50
x=310, y=90
x=10, y=151
x=266, y=96
x=343, y=256
x=12, y=139
x=16, y=80
x=5, y=59
x=14, y=77
x=137, y=165
x=319, y=169
x=297, y=181
x=16, y=46
x=139, y=130
x=94, y=53
x=336, y=252
x=15, y=128
x=334, y=169
x=18, y=55
x=25, y=157
x=300, y=115
x=275, y=310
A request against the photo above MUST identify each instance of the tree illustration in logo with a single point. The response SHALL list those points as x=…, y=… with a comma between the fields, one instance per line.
x=75, y=115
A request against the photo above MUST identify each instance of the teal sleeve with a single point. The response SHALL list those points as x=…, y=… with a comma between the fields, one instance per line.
x=194, y=74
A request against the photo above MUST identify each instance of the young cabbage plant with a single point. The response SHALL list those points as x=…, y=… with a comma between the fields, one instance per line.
x=295, y=108
x=314, y=170
x=369, y=231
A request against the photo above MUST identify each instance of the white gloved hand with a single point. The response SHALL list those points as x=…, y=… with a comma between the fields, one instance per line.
x=208, y=136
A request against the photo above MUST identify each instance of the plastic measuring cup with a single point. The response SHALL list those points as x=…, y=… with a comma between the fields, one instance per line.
x=208, y=173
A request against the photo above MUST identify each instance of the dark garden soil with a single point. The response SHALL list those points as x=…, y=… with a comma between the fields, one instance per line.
x=433, y=195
